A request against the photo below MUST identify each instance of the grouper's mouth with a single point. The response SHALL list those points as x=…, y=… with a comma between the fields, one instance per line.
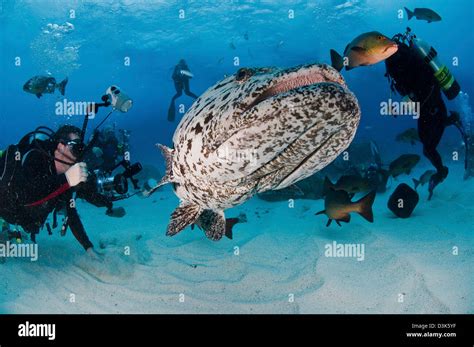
x=291, y=80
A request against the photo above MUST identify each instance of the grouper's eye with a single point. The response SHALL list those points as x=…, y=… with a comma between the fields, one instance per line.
x=243, y=74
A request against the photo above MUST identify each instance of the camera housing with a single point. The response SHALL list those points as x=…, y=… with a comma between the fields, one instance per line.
x=115, y=187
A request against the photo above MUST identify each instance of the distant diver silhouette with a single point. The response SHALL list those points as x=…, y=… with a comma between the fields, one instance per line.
x=181, y=77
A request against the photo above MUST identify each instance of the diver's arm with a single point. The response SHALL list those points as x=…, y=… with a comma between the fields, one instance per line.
x=37, y=178
x=77, y=228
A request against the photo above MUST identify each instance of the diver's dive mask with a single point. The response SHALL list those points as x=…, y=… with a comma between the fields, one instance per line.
x=118, y=99
x=76, y=146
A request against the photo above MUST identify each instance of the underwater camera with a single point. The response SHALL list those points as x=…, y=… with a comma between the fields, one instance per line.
x=115, y=187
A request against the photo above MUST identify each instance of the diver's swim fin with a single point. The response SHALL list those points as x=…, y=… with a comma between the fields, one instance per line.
x=171, y=112
x=416, y=183
x=336, y=60
x=62, y=86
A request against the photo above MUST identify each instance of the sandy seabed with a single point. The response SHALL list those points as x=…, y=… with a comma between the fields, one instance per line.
x=276, y=262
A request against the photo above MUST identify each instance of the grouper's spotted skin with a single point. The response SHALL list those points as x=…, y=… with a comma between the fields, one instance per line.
x=256, y=130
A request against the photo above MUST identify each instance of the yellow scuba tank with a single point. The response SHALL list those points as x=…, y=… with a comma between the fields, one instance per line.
x=443, y=76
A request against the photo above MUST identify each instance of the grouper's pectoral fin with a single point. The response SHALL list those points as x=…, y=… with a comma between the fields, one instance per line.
x=168, y=177
x=184, y=215
x=213, y=223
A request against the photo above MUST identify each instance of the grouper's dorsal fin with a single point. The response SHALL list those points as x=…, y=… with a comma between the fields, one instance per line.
x=184, y=215
x=168, y=177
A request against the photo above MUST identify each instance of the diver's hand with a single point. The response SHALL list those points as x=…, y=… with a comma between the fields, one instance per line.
x=186, y=73
x=77, y=174
x=94, y=254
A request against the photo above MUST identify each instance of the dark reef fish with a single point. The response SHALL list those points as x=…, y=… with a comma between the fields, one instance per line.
x=40, y=85
x=366, y=49
x=423, y=14
x=257, y=130
x=403, y=164
x=408, y=136
x=425, y=178
x=352, y=184
x=338, y=205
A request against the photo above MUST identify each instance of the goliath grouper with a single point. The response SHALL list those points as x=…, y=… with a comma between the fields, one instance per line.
x=257, y=130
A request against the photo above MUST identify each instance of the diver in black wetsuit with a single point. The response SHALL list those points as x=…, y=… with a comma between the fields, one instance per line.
x=181, y=77
x=412, y=77
x=105, y=153
x=43, y=181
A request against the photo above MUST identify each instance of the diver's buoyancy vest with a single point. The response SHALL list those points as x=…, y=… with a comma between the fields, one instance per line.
x=410, y=75
x=11, y=163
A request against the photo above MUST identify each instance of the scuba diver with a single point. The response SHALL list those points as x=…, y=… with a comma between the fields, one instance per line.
x=45, y=173
x=37, y=178
x=106, y=151
x=414, y=71
x=181, y=77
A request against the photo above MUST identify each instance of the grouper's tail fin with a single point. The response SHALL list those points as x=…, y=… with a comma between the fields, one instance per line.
x=168, y=177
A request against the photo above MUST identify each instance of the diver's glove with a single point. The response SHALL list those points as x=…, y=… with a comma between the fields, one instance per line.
x=187, y=73
x=117, y=212
x=77, y=174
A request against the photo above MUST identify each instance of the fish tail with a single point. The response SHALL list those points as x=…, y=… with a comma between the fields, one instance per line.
x=336, y=60
x=409, y=13
x=364, y=206
x=62, y=86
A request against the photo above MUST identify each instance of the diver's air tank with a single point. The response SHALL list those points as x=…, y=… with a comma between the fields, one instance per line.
x=446, y=81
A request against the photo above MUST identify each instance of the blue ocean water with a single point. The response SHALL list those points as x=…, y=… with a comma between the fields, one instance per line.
x=136, y=44
x=209, y=37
